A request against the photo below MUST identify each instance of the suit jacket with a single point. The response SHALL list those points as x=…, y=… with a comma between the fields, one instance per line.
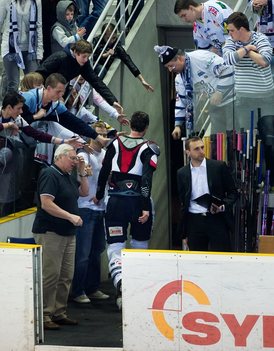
x=220, y=183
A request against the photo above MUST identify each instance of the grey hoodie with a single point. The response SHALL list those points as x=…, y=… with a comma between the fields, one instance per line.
x=63, y=33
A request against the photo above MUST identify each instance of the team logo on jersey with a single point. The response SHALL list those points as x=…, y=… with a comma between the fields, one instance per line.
x=221, y=4
x=200, y=73
x=213, y=10
x=129, y=185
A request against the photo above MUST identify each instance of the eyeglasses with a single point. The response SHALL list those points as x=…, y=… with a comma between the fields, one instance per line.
x=73, y=158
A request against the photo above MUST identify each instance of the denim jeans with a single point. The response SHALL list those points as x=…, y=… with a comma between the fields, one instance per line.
x=90, y=243
x=88, y=20
x=13, y=72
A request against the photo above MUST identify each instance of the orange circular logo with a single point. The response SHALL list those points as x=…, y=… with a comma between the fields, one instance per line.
x=174, y=287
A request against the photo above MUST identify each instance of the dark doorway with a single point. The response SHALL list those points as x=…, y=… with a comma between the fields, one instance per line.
x=180, y=37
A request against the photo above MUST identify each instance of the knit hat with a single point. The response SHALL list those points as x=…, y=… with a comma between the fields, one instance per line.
x=166, y=53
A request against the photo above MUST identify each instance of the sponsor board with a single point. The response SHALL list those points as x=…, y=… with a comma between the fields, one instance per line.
x=218, y=302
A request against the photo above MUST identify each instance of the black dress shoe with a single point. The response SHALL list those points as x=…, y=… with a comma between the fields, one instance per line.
x=66, y=321
x=50, y=325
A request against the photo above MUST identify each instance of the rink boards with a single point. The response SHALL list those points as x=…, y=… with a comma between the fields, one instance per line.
x=197, y=301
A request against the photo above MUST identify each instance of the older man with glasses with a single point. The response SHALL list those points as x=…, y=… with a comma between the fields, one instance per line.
x=54, y=228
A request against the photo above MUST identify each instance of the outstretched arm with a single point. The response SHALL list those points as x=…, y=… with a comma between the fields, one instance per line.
x=146, y=85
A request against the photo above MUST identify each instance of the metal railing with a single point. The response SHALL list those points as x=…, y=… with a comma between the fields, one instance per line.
x=120, y=23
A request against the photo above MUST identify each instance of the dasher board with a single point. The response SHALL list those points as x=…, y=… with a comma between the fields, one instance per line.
x=197, y=301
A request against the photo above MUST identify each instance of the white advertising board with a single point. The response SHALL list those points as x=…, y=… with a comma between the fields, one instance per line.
x=20, y=296
x=196, y=302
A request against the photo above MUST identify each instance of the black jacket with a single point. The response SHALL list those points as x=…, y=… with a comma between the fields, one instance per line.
x=119, y=52
x=220, y=183
x=64, y=63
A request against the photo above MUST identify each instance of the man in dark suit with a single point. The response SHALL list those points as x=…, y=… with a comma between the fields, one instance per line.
x=205, y=227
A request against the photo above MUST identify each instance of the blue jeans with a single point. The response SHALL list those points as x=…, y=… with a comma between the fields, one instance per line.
x=90, y=243
x=88, y=20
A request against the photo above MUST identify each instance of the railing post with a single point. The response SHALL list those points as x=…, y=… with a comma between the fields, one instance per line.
x=123, y=21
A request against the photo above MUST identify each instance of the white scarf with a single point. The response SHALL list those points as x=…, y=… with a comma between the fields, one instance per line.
x=14, y=49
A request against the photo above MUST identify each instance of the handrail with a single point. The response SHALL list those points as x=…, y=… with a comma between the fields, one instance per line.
x=101, y=70
x=105, y=12
x=121, y=38
x=90, y=39
x=100, y=21
x=239, y=5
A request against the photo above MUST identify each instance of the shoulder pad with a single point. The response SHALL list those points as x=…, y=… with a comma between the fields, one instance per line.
x=154, y=147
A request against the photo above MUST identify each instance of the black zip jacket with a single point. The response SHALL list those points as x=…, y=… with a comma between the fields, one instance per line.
x=119, y=52
x=64, y=63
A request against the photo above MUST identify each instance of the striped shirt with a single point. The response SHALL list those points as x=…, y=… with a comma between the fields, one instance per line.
x=250, y=78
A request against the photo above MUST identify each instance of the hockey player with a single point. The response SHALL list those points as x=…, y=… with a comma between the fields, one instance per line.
x=131, y=161
x=199, y=72
x=209, y=22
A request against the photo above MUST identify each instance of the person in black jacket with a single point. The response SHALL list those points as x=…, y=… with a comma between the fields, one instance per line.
x=207, y=226
x=113, y=50
x=74, y=61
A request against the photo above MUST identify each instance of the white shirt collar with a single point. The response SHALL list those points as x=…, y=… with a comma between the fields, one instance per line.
x=203, y=164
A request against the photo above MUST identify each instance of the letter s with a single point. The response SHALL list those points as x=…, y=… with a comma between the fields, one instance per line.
x=212, y=333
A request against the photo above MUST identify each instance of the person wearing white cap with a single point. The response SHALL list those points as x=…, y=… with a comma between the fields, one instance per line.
x=198, y=72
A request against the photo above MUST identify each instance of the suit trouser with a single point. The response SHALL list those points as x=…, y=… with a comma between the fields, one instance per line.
x=208, y=232
x=58, y=268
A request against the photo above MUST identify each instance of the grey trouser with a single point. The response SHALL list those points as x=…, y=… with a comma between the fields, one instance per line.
x=13, y=72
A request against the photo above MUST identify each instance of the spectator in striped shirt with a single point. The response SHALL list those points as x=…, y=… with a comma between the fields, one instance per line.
x=250, y=53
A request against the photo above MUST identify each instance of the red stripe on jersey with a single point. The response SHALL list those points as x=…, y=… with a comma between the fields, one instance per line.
x=153, y=164
x=127, y=156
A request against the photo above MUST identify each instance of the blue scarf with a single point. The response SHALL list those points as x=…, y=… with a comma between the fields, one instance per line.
x=189, y=95
x=15, y=53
